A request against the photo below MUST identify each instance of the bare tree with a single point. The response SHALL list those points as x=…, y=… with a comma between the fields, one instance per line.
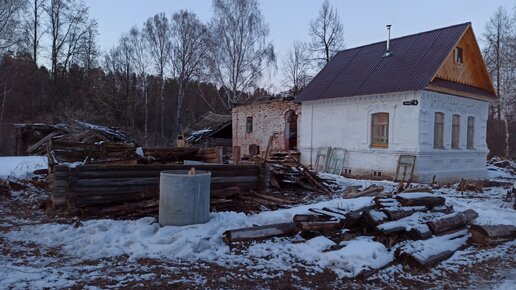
x=32, y=27
x=296, y=67
x=157, y=29
x=499, y=56
x=88, y=48
x=66, y=18
x=10, y=12
x=189, y=49
x=239, y=49
x=141, y=59
x=327, y=34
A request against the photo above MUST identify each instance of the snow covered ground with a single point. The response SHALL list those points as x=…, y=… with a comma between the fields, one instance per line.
x=37, y=253
x=21, y=166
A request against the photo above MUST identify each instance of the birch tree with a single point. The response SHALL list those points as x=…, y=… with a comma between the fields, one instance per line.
x=499, y=55
x=33, y=31
x=296, y=67
x=157, y=30
x=141, y=60
x=189, y=49
x=327, y=34
x=239, y=48
x=66, y=18
x=10, y=12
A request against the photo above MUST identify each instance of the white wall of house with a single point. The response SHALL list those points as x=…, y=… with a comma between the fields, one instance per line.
x=346, y=123
x=451, y=164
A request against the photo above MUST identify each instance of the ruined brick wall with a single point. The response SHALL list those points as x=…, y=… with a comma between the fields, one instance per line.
x=269, y=118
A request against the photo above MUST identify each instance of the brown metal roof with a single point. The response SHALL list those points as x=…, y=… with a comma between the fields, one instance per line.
x=364, y=71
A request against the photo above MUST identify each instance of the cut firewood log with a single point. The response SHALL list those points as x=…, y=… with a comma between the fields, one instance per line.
x=370, y=191
x=492, y=234
x=452, y=221
x=354, y=217
x=418, y=189
x=420, y=232
x=426, y=253
x=260, y=232
x=310, y=218
x=420, y=199
x=396, y=213
x=325, y=227
x=372, y=218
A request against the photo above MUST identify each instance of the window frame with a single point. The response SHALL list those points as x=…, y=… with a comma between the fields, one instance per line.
x=455, y=132
x=459, y=51
x=376, y=140
x=470, y=141
x=439, y=136
x=249, y=125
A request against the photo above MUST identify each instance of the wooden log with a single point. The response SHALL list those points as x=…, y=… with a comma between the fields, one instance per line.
x=396, y=213
x=418, y=189
x=491, y=234
x=310, y=218
x=370, y=191
x=326, y=213
x=429, y=252
x=322, y=226
x=420, y=199
x=260, y=232
x=354, y=217
x=372, y=218
x=452, y=221
x=420, y=232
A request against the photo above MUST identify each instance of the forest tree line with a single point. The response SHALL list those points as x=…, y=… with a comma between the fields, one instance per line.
x=166, y=72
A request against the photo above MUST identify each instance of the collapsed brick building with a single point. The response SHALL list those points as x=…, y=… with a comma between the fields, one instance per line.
x=269, y=124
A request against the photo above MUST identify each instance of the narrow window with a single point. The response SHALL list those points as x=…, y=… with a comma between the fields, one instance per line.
x=380, y=130
x=249, y=125
x=471, y=132
x=438, y=131
x=458, y=55
x=455, y=132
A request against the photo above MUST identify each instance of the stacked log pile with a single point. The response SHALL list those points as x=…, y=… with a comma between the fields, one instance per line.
x=417, y=225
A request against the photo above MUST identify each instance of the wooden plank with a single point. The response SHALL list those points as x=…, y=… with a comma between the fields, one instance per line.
x=42, y=141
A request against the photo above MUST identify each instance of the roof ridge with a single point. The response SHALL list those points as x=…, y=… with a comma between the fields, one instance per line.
x=405, y=36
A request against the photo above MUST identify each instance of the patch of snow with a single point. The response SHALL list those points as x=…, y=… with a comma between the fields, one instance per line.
x=424, y=249
x=144, y=238
x=21, y=167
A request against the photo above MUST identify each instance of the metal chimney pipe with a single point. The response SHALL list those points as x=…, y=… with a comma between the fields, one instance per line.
x=388, y=51
x=388, y=37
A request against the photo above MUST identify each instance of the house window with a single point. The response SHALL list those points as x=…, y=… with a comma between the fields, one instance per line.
x=380, y=130
x=459, y=58
x=455, y=132
x=249, y=125
x=438, y=131
x=471, y=132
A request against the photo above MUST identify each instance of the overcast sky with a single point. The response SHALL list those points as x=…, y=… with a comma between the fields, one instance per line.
x=364, y=21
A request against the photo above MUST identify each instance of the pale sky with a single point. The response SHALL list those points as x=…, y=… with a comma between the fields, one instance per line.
x=364, y=21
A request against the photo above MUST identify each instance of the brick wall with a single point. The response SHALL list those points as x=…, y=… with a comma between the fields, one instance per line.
x=269, y=118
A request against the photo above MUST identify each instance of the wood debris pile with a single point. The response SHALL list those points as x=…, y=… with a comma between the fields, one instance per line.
x=288, y=172
x=417, y=225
